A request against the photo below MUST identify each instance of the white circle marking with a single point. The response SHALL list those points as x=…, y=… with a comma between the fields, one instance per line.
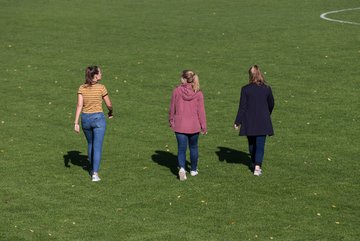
x=337, y=20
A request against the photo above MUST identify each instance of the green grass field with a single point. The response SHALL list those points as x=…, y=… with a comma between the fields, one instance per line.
x=310, y=186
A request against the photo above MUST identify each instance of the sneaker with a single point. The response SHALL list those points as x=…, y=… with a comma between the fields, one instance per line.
x=182, y=174
x=194, y=173
x=95, y=178
x=257, y=172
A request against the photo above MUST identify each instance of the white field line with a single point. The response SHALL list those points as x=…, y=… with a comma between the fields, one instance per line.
x=337, y=20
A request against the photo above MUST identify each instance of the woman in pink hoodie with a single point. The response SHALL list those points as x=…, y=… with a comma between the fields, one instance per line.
x=187, y=119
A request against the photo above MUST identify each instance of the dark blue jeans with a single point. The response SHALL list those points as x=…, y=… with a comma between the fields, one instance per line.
x=94, y=125
x=257, y=148
x=183, y=140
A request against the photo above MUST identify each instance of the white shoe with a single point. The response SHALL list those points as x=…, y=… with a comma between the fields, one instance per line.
x=257, y=172
x=194, y=173
x=182, y=174
x=95, y=178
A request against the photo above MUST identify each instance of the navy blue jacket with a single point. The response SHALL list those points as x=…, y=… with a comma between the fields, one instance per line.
x=256, y=105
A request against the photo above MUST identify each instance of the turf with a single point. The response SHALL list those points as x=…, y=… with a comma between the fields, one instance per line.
x=310, y=186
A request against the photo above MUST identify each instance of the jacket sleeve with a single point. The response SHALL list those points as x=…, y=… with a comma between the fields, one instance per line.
x=242, y=108
x=270, y=100
x=172, y=109
x=201, y=113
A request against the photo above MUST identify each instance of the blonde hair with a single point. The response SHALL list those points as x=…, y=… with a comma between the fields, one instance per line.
x=255, y=75
x=196, y=83
x=188, y=76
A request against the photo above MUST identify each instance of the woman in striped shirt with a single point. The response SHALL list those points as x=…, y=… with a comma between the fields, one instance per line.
x=89, y=105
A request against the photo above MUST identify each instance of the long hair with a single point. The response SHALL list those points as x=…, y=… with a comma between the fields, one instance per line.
x=188, y=76
x=196, y=83
x=90, y=72
x=255, y=75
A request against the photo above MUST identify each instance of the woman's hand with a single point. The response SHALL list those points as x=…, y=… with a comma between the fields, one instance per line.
x=77, y=128
x=110, y=114
x=236, y=127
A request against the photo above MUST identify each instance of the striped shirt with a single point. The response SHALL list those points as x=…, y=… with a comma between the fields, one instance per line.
x=92, y=96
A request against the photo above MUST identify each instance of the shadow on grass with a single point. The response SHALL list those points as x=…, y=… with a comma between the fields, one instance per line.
x=76, y=159
x=234, y=156
x=166, y=159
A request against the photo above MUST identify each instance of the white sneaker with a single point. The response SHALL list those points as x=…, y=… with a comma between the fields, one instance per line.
x=95, y=178
x=194, y=173
x=257, y=172
x=182, y=174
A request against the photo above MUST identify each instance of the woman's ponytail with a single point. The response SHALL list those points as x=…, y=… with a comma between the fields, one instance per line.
x=188, y=76
x=196, y=83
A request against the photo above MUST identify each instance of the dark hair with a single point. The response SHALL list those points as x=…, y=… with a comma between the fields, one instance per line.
x=90, y=72
x=255, y=75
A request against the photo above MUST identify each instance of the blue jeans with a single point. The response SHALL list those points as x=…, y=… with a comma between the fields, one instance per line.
x=183, y=140
x=94, y=126
x=257, y=149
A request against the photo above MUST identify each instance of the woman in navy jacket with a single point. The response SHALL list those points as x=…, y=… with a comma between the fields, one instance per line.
x=256, y=105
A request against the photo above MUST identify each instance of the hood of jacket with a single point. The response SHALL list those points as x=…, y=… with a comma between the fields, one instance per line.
x=187, y=93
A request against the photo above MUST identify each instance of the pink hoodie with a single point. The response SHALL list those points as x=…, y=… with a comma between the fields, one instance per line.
x=187, y=110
